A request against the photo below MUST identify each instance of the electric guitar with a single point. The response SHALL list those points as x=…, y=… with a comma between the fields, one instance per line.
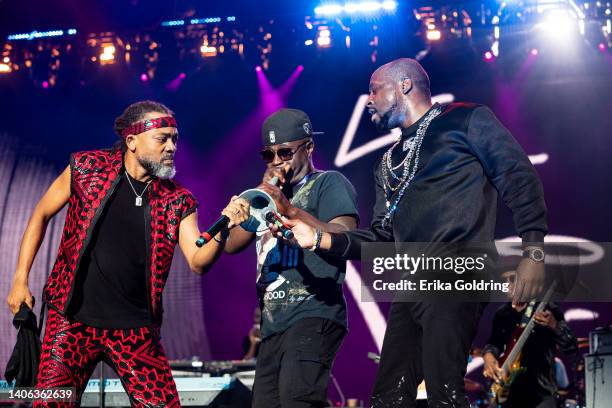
x=511, y=359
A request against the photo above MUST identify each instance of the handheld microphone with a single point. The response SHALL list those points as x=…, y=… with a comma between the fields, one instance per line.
x=273, y=218
x=222, y=222
x=214, y=229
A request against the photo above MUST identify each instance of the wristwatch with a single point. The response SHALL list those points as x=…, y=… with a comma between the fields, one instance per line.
x=536, y=254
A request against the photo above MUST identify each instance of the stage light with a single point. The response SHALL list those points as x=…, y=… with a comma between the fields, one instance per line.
x=6, y=60
x=175, y=84
x=208, y=51
x=207, y=20
x=5, y=68
x=355, y=7
x=534, y=51
x=72, y=31
x=559, y=24
x=45, y=84
x=324, y=37
x=389, y=5
x=36, y=34
x=258, y=68
x=300, y=68
x=495, y=48
x=488, y=56
x=308, y=42
x=144, y=77
x=328, y=10
x=365, y=7
x=602, y=47
x=434, y=35
x=108, y=54
x=173, y=23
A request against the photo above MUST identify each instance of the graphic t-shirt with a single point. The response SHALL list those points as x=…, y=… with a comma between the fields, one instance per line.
x=293, y=283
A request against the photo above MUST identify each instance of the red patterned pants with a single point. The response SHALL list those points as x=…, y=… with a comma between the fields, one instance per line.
x=71, y=350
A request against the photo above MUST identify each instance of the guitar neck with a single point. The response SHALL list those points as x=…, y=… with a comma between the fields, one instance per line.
x=518, y=346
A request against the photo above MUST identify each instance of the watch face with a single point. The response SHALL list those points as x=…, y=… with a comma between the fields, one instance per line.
x=537, y=255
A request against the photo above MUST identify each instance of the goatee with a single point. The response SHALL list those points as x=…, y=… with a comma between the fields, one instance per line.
x=157, y=169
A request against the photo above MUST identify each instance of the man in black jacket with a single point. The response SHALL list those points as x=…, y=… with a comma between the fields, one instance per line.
x=438, y=183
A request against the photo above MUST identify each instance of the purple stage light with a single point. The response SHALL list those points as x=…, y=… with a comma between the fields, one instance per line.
x=285, y=89
x=602, y=47
x=144, y=77
x=534, y=51
x=175, y=84
x=45, y=84
x=488, y=56
x=258, y=68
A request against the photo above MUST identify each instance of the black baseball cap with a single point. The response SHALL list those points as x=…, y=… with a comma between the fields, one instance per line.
x=286, y=125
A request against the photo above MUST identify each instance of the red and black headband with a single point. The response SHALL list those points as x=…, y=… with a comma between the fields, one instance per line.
x=148, y=124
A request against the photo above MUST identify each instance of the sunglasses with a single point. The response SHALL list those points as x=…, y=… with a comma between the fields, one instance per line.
x=285, y=153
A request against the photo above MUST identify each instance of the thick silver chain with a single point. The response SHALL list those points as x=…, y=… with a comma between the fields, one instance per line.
x=407, y=174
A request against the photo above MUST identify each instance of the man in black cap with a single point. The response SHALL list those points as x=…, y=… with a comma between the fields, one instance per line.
x=300, y=292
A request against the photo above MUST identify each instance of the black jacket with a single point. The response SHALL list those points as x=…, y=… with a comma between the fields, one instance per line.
x=467, y=158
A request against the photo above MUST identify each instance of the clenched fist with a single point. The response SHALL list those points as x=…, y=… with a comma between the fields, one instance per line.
x=238, y=211
x=20, y=293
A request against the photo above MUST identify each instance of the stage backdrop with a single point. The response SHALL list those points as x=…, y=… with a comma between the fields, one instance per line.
x=559, y=112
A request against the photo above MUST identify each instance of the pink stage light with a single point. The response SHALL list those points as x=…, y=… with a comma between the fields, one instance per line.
x=602, y=47
x=258, y=68
x=45, y=84
x=176, y=83
x=488, y=56
x=534, y=51
x=144, y=77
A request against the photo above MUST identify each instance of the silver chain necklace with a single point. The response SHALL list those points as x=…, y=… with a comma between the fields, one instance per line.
x=407, y=174
x=138, y=202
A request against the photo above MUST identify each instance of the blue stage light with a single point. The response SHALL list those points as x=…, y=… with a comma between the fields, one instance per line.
x=35, y=34
x=363, y=7
x=173, y=23
x=329, y=9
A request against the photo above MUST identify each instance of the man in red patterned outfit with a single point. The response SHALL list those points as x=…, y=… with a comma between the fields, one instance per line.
x=104, y=294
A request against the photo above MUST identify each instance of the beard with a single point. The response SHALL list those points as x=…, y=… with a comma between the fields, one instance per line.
x=386, y=121
x=157, y=168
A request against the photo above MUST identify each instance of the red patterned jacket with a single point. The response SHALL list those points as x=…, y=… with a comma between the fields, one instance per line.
x=93, y=180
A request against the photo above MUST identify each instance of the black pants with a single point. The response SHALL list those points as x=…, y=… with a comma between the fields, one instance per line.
x=293, y=367
x=429, y=341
